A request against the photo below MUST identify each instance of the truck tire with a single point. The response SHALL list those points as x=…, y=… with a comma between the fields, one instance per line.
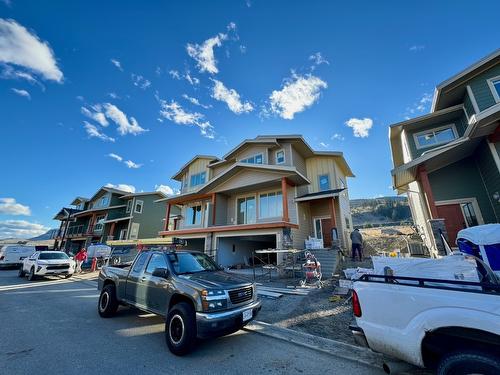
x=468, y=362
x=108, y=303
x=31, y=274
x=180, y=328
x=21, y=272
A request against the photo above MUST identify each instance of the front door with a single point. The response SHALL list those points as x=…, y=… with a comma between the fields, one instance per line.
x=323, y=230
x=458, y=216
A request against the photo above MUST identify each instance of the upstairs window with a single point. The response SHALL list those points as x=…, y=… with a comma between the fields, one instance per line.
x=246, y=210
x=271, y=205
x=436, y=136
x=138, y=206
x=494, y=84
x=324, y=182
x=280, y=157
x=198, y=179
x=129, y=205
x=194, y=215
x=255, y=159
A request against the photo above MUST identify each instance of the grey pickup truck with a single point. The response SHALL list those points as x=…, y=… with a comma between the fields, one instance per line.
x=196, y=297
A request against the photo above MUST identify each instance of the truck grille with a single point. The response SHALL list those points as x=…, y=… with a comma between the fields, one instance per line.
x=58, y=267
x=241, y=295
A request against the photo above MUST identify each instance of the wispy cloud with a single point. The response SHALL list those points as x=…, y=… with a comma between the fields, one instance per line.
x=174, y=112
x=21, y=92
x=94, y=132
x=324, y=145
x=337, y=137
x=132, y=165
x=204, y=55
x=115, y=156
x=167, y=190
x=20, y=47
x=9, y=206
x=230, y=97
x=360, y=127
x=416, y=48
x=298, y=93
x=175, y=74
x=113, y=95
x=195, y=101
x=123, y=187
x=318, y=59
x=96, y=113
x=125, y=125
x=21, y=229
x=117, y=64
x=140, y=81
x=420, y=106
x=193, y=81
x=8, y=72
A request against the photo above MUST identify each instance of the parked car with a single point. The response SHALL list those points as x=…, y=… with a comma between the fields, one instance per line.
x=45, y=263
x=452, y=326
x=196, y=297
x=13, y=255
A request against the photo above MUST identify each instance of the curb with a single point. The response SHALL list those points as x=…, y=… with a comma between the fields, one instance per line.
x=332, y=347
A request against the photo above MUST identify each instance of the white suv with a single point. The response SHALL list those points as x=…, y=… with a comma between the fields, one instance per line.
x=45, y=263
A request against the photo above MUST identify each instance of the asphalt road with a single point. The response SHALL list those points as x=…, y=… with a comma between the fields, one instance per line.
x=52, y=326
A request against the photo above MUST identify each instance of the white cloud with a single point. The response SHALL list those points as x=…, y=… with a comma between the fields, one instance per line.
x=230, y=97
x=21, y=229
x=318, y=59
x=167, y=190
x=117, y=63
x=195, y=101
x=324, y=145
x=20, y=47
x=125, y=125
x=115, y=156
x=93, y=131
x=192, y=80
x=132, y=165
x=419, y=106
x=21, y=92
x=9, y=206
x=174, y=112
x=123, y=187
x=416, y=48
x=96, y=114
x=113, y=95
x=204, y=54
x=360, y=127
x=298, y=93
x=9, y=72
x=140, y=81
x=337, y=137
x=174, y=74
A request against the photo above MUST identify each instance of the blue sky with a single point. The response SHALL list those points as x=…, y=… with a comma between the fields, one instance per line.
x=153, y=83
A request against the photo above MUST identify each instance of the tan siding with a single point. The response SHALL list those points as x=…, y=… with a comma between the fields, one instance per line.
x=292, y=208
x=246, y=178
x=299, y=162
x=317, y=166
x=220, y=169
x=253, y=150
x=305, y=226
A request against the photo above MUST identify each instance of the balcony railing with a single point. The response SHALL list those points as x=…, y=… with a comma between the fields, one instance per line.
x=77, y=230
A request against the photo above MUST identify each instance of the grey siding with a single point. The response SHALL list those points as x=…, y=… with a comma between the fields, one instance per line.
x=462, y=180
x=481, y=89
x=299, y=162
x=490, y=174
x=305, y=225
x=468, y=105
x=151, y=218
x=221, y=210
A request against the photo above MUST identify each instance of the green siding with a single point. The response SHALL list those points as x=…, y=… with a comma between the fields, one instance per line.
x=468, y=104
x=151, y=219
x=491, y=175
x=460, y=124
x=481, y=89
x=462, y=180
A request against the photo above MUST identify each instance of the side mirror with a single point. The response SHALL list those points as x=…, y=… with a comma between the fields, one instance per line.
x=161, y=272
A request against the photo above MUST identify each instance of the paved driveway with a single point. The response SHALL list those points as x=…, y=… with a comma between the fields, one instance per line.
x=52, y=326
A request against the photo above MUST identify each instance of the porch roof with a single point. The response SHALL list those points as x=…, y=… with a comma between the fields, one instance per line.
x=117, y=219
x=319, y=195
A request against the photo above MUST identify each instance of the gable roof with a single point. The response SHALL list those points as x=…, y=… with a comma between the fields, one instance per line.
x=110, y=190
x=78, y=200
x=178, y=175
x=131, y=195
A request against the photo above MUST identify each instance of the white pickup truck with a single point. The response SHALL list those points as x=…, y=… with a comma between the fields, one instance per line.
x=450, y=326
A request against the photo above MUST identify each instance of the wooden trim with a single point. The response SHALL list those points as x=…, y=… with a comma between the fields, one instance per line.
x=426, y=186
x=112, y=229
x=214, y=199
x=167, y=218
x=284, y=195
x=332, y=212
x=191, y=198
x=229, y=228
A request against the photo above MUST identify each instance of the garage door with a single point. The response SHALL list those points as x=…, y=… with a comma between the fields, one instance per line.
x=235, y=250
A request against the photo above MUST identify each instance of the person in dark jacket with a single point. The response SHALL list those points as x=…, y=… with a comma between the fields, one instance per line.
x=357, y=244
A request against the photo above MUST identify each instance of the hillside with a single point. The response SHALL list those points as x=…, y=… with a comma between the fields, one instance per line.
x=380, y=211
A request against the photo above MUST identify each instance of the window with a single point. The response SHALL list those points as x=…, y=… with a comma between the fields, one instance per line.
x=194, y=215
x=139, y=263
x=318, y=229
x=324, y=182
x=494, y=84
x=156, y=261
x=198, y=179
x=280, y=157
x=246, y=210
x=435, y=137
x=469, y=214
x=104, y=201
x=129, y=205
x=256, y=159
x=271, y=205
x=99, y=223
x=138, y=206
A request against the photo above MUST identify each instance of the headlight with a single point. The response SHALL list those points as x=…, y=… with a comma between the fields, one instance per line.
x=213, y=300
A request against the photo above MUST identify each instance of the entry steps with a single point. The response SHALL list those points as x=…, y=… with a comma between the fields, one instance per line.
x=328, y=258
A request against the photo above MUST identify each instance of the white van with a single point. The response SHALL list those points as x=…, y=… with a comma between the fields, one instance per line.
x=13, y=255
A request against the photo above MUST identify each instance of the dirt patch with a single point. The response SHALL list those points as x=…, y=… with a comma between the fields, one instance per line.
x=313, y=314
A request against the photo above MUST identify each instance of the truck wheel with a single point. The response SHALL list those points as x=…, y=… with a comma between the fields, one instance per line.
x=108, y=303
x=31, y=275
x=21, y=272
x=68, y=275
x=464, y=363
x=180, y=328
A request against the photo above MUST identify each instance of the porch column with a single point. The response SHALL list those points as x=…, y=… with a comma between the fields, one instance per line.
x=112, y=230
x=424, y=180
x=284, y=194
x=167, y=218
x=214, y=199
x=90, y=229
x=332, y=212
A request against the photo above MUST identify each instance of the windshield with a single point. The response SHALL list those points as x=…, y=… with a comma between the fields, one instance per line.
x=53, y=256
x=184, y=263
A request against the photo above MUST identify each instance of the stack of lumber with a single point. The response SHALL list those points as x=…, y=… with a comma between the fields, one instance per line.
x=273, y=292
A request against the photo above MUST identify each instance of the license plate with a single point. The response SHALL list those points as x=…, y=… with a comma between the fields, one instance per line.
x=247, y=315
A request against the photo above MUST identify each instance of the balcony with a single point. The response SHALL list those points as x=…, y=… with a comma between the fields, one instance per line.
x=76, y=231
